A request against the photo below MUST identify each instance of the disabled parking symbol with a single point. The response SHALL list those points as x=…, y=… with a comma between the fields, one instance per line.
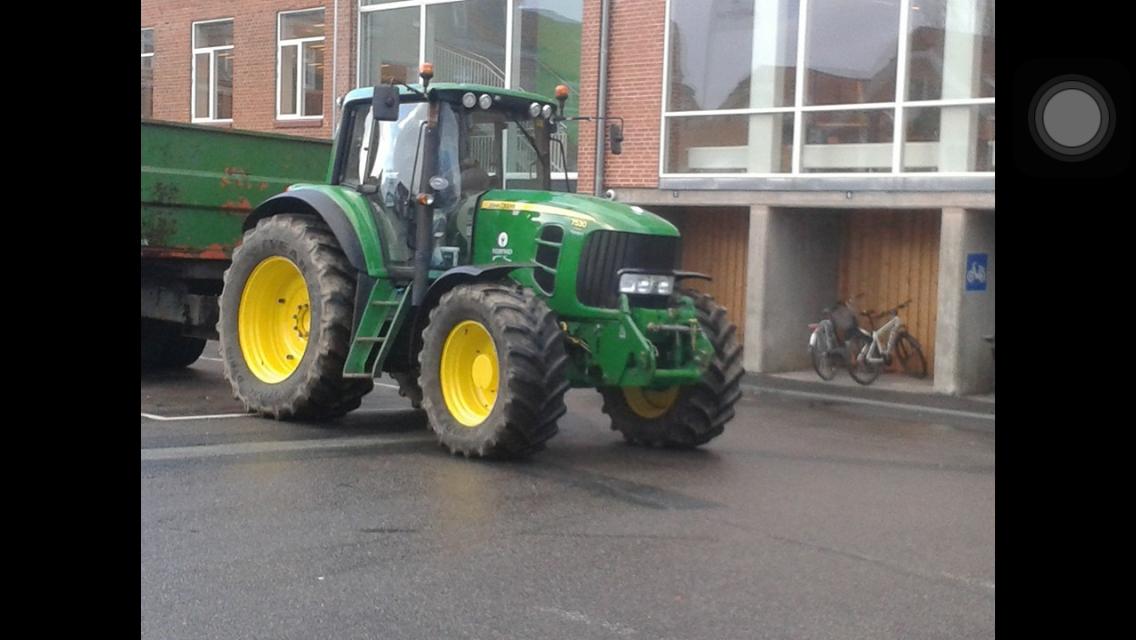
x=976, y=272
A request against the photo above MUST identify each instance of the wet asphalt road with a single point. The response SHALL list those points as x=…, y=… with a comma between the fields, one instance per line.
x=806, y=519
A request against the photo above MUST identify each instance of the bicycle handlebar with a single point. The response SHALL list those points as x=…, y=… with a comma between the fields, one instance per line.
x=892, y=311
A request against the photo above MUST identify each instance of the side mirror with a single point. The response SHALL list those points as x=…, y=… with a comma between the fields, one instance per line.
x=616, y=139
x=384, y=103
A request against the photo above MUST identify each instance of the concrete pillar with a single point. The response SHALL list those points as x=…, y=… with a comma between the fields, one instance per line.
x=963, y=363
x=794, y=257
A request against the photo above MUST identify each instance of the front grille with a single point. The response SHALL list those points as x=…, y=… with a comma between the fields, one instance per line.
x=606, y=252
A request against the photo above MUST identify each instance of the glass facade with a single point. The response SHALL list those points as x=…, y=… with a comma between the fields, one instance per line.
x=469, y=41
x=829, y=87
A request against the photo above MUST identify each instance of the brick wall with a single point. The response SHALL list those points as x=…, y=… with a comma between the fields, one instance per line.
x=635, y=90
x=254, y=61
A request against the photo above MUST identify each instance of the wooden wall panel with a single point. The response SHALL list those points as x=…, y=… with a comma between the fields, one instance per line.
x=715, y=241
x=891, y=256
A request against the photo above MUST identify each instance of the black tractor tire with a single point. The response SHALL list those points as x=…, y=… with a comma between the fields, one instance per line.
x=163, y=346
x=408, y=387
x=531, y=374
x=700, y=411
x=316, y=388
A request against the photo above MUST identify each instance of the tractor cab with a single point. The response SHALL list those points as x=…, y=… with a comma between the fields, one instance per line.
x=485, y=138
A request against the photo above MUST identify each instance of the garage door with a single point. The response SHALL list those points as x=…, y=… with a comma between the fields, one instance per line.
x=715, y=241
x=891, y=256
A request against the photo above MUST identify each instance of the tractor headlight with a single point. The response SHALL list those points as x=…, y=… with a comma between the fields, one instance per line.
x=485, y=101
x=546, y=111
x=469, y=100
x=643, y=284
x=534, y=109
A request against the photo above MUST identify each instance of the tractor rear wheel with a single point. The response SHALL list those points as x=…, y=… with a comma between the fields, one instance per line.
x=285, y=321
x=493, y=370
x=684, y=416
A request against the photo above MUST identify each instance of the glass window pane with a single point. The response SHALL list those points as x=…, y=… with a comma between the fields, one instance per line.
x=308, y=24
x=224, y=84
x=950, y=49
x=313, y=79
x=730, y=144
x=213, y=34
x=851, y=51
x=201, y=85
x=147, y=87
x=466, y=41
x=949, y=138
x=390, y=46
x=147, y=41
x=848, y=141
x=714, y=62
x=288, y=55
x=546, y=52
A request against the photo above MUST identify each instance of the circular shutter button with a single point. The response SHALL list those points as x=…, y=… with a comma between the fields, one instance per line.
x=1072, y=118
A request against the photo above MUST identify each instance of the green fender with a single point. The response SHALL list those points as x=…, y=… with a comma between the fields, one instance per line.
x=347, y=213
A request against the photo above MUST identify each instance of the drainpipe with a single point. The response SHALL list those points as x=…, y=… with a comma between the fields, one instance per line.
x=334, y=63
x=601, y=97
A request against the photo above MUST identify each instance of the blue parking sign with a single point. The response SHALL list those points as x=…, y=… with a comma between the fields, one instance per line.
x=976, y=272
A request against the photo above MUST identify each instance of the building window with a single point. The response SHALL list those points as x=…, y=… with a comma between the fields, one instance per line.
x=147, y=73
x=212, y=84
x=776, y=87
x=469, y=41
x=299, y=79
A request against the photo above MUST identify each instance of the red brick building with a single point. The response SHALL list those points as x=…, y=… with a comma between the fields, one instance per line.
x=808, y=150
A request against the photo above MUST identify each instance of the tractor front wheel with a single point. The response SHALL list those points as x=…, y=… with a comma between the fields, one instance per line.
x=285, y=321
x=686, y=416
x=493, y=371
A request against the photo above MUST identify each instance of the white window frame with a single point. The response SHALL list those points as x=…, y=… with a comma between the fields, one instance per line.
x=151, y=56
x=299, y=44
x=798, y=109
x=510, y=12
x=212, y=51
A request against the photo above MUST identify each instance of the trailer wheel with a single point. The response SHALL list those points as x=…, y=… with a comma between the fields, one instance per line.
x=285, y=321
x=688, y=416
x=493, y=371
x=163, y=346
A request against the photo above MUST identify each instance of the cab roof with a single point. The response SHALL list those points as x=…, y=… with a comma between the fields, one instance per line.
x=453, y=91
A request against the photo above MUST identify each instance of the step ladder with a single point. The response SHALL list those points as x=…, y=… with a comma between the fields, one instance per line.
x=387, y=308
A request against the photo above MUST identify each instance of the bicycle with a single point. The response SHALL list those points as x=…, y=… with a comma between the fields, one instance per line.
x=826, y=344
x=872, y=350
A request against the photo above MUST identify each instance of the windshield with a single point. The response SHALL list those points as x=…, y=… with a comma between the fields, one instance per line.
x=492, y=140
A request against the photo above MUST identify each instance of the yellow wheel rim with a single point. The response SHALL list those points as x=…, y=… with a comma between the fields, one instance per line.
x=274, y=319
x=469, y=374
x=650, y=403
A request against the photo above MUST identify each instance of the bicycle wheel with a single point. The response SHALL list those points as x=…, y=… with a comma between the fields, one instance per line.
x=861, y=370
x=910, y=356
x=822, y=356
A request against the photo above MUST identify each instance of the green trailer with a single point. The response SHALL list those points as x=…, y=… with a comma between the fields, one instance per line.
x=199, y=184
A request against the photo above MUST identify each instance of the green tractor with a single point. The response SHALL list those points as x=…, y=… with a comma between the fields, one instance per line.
x=438, y=253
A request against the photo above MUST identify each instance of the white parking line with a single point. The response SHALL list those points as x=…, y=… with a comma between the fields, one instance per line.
x=878, y=403
x=215, y=416
x=244, y=448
